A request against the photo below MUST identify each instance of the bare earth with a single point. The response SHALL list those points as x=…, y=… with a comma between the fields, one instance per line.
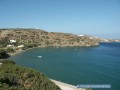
x=65, y=86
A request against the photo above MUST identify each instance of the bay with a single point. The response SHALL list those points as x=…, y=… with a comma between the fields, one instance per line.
x=76, y=65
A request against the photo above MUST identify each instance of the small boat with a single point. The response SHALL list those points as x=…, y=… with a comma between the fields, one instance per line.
x=39, y=56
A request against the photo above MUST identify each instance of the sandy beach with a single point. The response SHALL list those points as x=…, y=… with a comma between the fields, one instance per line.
x=65, y=86
x=16, y=52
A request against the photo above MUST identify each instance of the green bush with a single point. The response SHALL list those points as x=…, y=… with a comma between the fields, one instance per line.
x=10, y=50
x=29, y=45
x=7, y=61
x=13, y=77
x=3, y=54
x=4, y=42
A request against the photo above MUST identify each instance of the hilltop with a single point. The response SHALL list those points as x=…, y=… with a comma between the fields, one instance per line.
x=40, y=37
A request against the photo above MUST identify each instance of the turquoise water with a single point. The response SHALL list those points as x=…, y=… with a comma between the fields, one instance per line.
x=75, y=65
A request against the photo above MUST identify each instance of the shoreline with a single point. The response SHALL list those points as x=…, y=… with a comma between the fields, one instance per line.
x=65, y=86
x=16, y=52
x=20, y=50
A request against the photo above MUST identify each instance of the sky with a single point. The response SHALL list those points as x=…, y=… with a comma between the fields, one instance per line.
x=99, y=18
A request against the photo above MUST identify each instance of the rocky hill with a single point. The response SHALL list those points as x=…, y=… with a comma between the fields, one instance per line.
x=43, y=38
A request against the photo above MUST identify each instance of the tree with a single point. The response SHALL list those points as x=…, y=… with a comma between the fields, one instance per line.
x=10, y=50
x=3, y=54
x=4, y=42
x=7, y=61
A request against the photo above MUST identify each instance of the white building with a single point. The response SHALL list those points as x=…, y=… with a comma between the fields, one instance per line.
x=36, y=28
x=92, y=37
x=10, y=46
x=20, y=46
x=80, y=35
x=105, y=40
x=12, y=41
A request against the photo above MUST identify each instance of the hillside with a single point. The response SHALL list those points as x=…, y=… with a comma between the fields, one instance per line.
x=44, y=38
x=14, y=77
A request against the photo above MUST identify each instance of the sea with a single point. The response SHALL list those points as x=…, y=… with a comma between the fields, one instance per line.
x=76, y=65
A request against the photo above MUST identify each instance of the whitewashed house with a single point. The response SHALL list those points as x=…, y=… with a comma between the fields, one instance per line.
x=20, y=46
x=12, y=41
x=36, y=28
x=92, y=37
x=80, y=35
x=10, y=46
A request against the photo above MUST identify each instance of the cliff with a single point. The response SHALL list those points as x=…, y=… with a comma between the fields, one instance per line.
x=43, y=38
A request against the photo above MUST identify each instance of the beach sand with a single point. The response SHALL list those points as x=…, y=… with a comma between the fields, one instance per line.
x=65, y=86
x=16, y=52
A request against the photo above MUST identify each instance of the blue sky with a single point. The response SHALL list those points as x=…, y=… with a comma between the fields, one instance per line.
x=93, y=17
